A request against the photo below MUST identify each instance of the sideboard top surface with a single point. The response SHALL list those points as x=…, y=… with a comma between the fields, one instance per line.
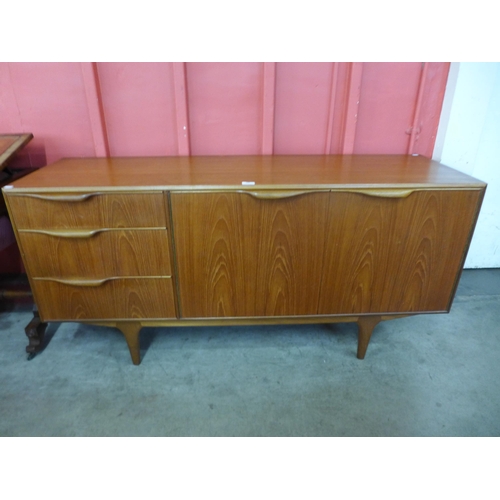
x=251, y=172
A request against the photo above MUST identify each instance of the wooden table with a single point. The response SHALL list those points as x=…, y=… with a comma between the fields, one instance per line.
x=10, y=144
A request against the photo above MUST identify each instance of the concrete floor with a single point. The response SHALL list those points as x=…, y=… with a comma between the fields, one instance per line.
x=429, y=375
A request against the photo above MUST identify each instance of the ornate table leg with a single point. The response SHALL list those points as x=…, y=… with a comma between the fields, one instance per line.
x=131, y=332
x=35, y=332
x=366, y=324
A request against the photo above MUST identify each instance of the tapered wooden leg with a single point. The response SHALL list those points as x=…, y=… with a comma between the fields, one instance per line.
x=366, y=324
x=131, y=331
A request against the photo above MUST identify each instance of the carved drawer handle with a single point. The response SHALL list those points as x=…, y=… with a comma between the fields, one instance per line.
x=381, y=193
x=278, y=195
x=68, y=197
x=66, y=233
x=77, y=282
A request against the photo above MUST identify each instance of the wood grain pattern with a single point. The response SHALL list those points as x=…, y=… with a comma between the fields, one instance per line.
x=241, y=256
x=108, y=253
x=395, y=255
x=131, y=331
x=366, y=324
x=123, y=298
x=220, y=172
x=110, y=210
x=320, y=238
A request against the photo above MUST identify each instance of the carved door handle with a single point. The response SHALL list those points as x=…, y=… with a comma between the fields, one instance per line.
x=68, y=197
x=77, y=282
x=66, y=233
x=380, y=193
x=281, y=194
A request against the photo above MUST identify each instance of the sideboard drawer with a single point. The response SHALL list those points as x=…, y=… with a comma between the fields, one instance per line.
x=122, y=298
x=88, y=210
x=96, y=253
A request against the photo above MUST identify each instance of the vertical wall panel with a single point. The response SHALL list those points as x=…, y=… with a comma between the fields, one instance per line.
x=430, y=112
x=181, y=108
x=302, y=97
x=225, y=108
x=352, y=100
x=268, y=104
x=342, y=88
x=95, y=110
x=139, y=108
x=386, y=109
x=10, y=118
x=51, y=103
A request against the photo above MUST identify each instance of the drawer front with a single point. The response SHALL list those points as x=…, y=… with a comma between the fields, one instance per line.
x=96, y=254
x=123, y=298
x=90, y=210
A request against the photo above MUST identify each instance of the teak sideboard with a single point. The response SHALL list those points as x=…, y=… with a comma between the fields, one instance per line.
x=164, y=241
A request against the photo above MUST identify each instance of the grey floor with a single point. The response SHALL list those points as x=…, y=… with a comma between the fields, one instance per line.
x=429, y=375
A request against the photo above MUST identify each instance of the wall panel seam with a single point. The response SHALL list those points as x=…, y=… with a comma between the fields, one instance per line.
x=95, y=108
x=331, y=108
x=352, y=106
x=181, y=108
x=415, y=126
x=269, y=101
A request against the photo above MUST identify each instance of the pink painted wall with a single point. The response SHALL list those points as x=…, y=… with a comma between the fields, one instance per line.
x=48, y=98
x=139, y=108
x=149, y=109
x=225, y=108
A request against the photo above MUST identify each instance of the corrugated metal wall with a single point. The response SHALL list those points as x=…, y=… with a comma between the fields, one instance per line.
x=150, y=109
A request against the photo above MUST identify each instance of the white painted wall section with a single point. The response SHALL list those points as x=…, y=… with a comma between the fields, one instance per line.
x=469, y=140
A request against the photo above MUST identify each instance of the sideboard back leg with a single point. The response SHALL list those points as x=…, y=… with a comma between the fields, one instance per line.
x=35, y=331
x=366, y=324
x=131, y=331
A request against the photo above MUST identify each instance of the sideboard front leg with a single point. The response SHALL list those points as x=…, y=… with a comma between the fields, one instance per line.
x=35, y=331
x=131, y=331
x=366, y=324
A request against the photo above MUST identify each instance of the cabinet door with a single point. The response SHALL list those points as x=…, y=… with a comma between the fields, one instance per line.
x=396, y=254
x=238, y=255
